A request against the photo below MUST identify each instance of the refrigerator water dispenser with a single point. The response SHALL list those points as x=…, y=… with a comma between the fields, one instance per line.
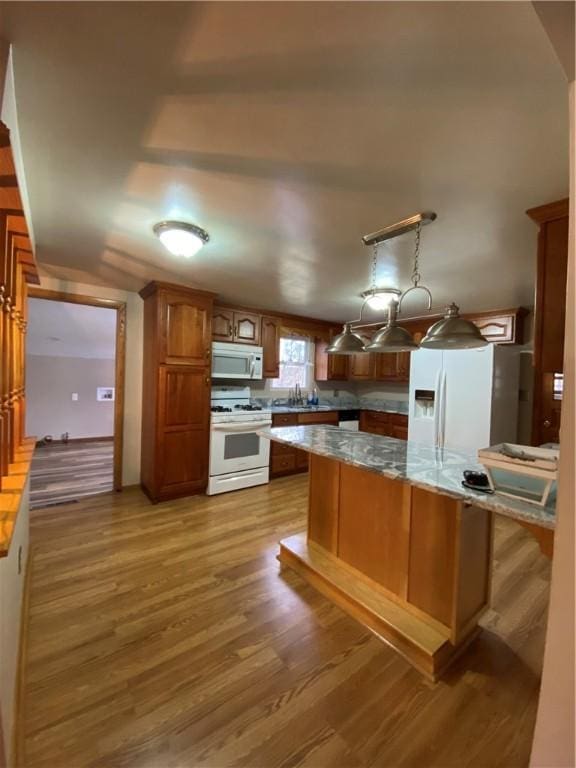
x=424, y=402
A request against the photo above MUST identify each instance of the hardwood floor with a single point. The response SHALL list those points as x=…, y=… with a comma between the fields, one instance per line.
x=167, y=637
x=64, y=472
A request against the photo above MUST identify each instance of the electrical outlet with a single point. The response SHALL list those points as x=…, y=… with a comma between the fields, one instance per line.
x=74, y=396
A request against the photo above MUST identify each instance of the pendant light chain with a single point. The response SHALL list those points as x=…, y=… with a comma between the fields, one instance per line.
x=374, y=265
x=416, y=270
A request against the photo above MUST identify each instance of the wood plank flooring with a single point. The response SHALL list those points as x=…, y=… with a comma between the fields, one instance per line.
x=167, y=637
x=63, y=472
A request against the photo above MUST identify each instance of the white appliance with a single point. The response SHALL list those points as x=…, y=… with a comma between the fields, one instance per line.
x=464, y=399
x=349, y=420
x=236, y=361
x=238, y=457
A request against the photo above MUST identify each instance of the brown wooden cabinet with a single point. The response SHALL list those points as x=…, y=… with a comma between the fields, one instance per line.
x=222, y=324
x=330, y=367
x=271, y=346
x=549, y=318
x=285, y=459
x=385, y=424
x=176, y=390
x=362, y=365
x=235, y=326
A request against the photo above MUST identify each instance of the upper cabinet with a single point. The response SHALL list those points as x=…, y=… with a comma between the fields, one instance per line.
x=362, y=365
x=185, y=320
x=236, y=326
x=330, y=367
x=270, y=334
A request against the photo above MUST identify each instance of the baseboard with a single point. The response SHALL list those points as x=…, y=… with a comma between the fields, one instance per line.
x=80, y=440
x=18, y=728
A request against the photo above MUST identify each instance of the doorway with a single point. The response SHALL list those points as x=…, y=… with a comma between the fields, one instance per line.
x=75, y=362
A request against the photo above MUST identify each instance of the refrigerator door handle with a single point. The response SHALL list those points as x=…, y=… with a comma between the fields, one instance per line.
x=442, y=404
x=437, y=386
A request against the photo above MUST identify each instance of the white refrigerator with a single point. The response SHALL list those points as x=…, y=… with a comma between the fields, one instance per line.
x=464, y=399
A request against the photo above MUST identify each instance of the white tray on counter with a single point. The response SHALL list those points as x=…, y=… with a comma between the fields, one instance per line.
x=521, y=471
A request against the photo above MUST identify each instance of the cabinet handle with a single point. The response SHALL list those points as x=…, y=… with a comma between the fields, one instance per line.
x=207, y=379
x=230, y=329
x=547, y=423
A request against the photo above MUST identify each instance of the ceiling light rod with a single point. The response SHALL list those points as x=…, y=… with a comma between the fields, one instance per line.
x=400, y=228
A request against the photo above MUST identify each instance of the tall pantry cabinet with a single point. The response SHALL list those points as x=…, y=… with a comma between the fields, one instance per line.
x=176, y=390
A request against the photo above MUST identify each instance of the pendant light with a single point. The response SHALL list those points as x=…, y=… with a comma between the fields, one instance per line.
x=392, y=338
x=346, y=343
x=453, y=332
x=376, y=298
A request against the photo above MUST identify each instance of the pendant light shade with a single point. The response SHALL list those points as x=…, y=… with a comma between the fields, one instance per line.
x=392, y=338
x=346, y=343
x=453, y=332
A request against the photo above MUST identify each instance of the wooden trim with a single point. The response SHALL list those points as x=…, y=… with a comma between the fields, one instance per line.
x=22, y=665
x=307, y=321
x=80, y=440
x=156, y=285
x=13, y=486
x=559, y=209
x=120, y=362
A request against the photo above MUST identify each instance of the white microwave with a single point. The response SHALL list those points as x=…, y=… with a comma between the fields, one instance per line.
x=236, y=361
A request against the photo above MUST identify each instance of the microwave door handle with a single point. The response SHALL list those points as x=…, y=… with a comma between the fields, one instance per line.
x=252, y=365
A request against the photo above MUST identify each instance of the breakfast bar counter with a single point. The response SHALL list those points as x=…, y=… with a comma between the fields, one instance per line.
x=396, y=541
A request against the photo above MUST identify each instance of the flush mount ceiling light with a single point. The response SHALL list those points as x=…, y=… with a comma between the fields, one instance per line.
x=180, y=238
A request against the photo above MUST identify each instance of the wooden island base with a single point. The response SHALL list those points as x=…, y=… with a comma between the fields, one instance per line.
x=411, y=565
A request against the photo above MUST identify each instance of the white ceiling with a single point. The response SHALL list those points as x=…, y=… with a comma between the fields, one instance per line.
x=59, y=329
x=288, y=130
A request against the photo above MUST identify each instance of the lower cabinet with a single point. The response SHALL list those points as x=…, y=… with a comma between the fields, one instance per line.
x=385, y=424
x=286, y=460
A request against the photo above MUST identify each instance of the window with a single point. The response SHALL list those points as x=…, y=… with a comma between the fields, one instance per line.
x=296, y=363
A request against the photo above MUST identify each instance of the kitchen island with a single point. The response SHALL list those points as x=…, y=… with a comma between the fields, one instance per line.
x=396, y=541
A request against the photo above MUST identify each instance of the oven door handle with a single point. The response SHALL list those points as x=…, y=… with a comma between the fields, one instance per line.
x=246, y=427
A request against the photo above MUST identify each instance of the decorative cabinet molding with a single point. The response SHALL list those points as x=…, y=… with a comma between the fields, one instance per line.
x=176, y=390
x=235, y=326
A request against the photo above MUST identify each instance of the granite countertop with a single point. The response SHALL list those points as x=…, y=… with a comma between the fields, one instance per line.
x=430, y=468
x=383, y=407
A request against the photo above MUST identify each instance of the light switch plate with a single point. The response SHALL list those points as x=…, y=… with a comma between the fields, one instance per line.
x=74, y=395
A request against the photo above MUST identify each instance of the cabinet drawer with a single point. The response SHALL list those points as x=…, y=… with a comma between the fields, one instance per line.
x=399, y=419
x=318, y=418
x=280, y=449
x=283, y=463
x=284, y=419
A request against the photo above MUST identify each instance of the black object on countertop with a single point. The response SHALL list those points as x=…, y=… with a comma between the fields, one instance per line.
x=476, y=481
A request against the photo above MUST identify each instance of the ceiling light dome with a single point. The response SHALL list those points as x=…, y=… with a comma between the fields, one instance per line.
x=180, y=238
x=453, y=332
x=379, y=299
x=346, y=343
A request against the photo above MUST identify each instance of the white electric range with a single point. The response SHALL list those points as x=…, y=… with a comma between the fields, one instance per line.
x=238, y=457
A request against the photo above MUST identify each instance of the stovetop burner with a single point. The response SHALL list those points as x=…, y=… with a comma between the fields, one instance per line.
x=248, y=407
x=220, y=409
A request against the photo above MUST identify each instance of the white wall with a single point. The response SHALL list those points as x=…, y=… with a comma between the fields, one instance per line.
x=133, y=389
x=11, y=593
x=50, y=410
x=554, y=738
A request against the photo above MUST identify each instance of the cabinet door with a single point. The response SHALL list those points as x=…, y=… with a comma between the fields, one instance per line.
x=362, y=365
x=184, y=419
x=403, y=366
x=329, y=367
x=386, y=366
x=185, y=336
x=222, y=324
x=246, y=328
x=271, y=347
